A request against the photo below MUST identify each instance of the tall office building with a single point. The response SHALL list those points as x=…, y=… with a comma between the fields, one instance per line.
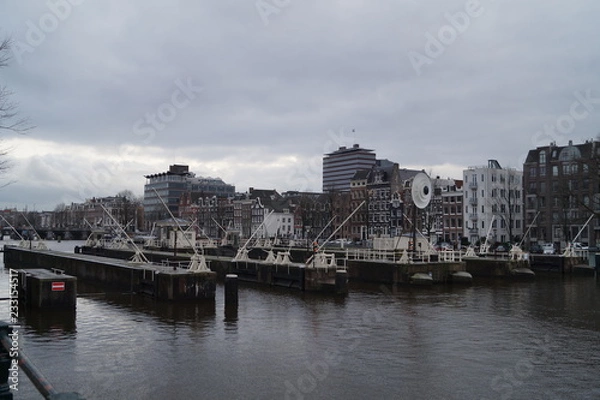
x=340, y=166
x=165, y=187
x=171, y=185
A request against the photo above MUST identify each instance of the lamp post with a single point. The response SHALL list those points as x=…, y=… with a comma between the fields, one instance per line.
x=306, y=238
x=395, y=205
x=175, y=241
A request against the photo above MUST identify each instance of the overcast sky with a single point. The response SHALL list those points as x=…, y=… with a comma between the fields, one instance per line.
x=255, y=92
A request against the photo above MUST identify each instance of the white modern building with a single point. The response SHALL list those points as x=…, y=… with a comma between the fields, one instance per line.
x=493, y=203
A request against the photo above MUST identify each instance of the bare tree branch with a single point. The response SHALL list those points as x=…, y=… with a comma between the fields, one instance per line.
x=5, y=55
x=9, y=120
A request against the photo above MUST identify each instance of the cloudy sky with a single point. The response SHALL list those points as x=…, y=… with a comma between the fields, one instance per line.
x=256, y=91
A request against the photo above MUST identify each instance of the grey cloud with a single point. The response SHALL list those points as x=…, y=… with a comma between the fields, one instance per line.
x=316, y=67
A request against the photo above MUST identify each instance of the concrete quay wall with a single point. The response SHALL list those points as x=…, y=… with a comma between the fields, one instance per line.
x=394, y=273
x=296, y=276
x=161, y=283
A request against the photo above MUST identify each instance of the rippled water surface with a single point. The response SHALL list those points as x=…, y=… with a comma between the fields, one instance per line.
x=491, y=340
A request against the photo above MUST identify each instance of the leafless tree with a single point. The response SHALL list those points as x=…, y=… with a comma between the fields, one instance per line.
x=505, y=200
x=128, y=206
x=9, y=116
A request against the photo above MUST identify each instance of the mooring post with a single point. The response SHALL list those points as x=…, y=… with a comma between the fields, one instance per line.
x=302, y=276
x=231, y=291
x=341, y=282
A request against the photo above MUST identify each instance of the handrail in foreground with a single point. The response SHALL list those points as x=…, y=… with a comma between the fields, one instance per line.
x=12, y=358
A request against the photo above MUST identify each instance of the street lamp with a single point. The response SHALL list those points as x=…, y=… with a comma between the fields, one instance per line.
x=306, y=236
x=395, y=206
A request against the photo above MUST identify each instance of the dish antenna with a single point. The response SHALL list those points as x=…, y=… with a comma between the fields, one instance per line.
x=421, y=195
x=421, y=190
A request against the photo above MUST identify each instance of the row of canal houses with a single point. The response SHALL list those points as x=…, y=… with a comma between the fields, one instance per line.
x=378, y=200
x=552, y=200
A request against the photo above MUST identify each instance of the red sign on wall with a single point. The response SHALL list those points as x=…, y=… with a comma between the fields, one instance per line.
x=58, y=286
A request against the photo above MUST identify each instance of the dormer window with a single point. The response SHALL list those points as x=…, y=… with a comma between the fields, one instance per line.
x=543, y=157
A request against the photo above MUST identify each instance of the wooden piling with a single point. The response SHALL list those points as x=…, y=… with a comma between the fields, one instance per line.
x=231, y=291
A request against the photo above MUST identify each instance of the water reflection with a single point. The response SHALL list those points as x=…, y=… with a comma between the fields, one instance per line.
x=48, y=322
x=443, y=341
x=231, y=317
x=165, y=311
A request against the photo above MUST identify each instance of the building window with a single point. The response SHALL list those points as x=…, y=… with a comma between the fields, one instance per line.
x=532, y=172
x=554, y=170
x=543, y=157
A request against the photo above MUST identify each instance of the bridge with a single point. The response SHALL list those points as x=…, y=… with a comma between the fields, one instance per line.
x=49, y=233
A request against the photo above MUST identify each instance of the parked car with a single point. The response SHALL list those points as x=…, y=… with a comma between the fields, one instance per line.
x=536, y=249
x=548, y=248
x=443, y=246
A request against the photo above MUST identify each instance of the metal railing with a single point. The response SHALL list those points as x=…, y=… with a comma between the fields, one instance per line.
x=397, y=256
x=12, y=359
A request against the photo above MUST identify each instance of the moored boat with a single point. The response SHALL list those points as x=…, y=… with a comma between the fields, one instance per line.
x=522, y=273
x=461, y=277
x=421, y=278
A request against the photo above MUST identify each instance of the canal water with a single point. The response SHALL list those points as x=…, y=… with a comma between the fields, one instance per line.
x=491, y=340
